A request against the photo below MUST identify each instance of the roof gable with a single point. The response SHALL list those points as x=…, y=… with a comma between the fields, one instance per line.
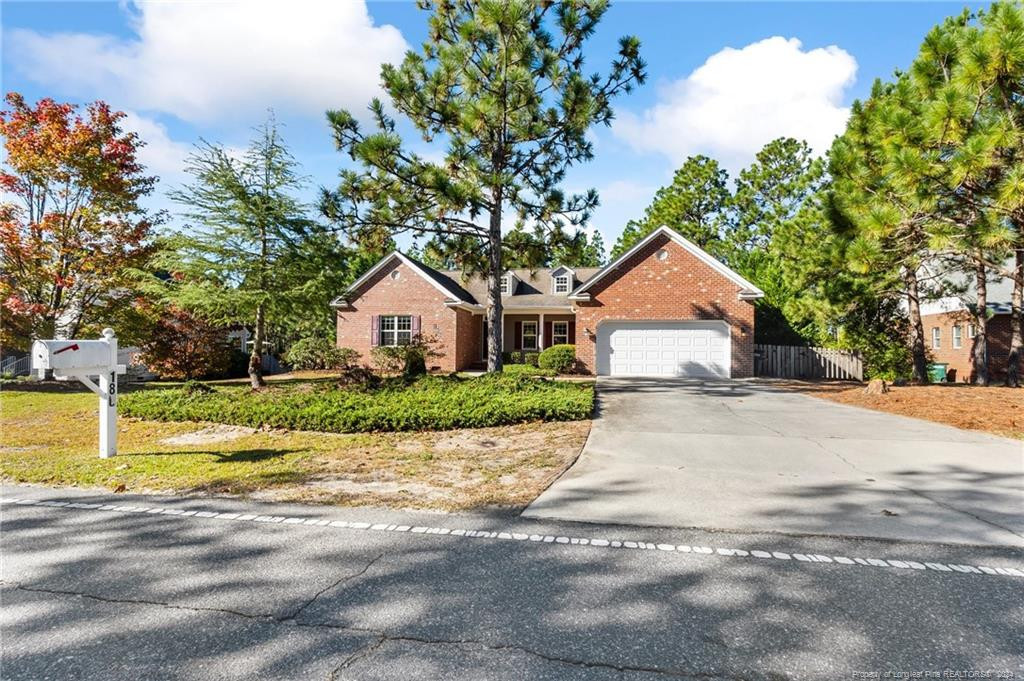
x=451, y=290
x=748, y=290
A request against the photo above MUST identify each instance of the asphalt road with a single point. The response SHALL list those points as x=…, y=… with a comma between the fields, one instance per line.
x=130, y=587
x=747, y=455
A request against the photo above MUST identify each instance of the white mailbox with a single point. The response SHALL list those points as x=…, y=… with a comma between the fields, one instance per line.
x=81, y=359
x=72, y=356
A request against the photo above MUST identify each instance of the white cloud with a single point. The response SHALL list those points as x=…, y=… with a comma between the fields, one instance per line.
x=740, y=99
x=209, y=60
x=625, y=191
x=161, y=155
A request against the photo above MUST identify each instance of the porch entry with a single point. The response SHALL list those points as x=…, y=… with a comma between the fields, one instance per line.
x=530, y=333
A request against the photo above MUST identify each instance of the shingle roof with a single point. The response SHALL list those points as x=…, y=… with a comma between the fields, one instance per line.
x=532, y=287
x=445, y=280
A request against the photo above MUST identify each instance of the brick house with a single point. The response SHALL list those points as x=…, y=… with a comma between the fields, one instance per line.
x=949, y=336
x=950, y=330
x=664, y=308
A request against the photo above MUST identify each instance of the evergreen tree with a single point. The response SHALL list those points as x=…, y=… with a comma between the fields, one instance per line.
x=972, y=74
x=696, y=205
x=951, y=151
x=889, y=219
x=250, y=255
x=501, y=82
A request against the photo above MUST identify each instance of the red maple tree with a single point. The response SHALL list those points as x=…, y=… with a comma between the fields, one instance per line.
x=75, y=225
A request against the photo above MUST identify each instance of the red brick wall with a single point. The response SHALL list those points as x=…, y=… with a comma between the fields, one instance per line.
x=679, y=287
x=468, y=330
x=410, y=294
x=959, y=360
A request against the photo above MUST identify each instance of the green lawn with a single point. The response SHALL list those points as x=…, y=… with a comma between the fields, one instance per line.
x=48, y=435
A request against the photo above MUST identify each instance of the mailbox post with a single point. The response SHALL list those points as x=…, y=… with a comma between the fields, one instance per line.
x=82, y=359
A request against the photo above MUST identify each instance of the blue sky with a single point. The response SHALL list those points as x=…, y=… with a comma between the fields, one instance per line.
x=723, y=79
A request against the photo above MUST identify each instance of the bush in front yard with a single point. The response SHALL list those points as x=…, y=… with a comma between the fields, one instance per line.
x=319, y=353
x=409, y=359
x=561, y=358
x=430, y=403
x=520, y=357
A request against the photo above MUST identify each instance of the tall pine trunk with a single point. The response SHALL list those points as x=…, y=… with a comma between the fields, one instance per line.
x=495, y=272
x=1016, y=340
x=917, y=349
x=256, y=356
x=979, y=351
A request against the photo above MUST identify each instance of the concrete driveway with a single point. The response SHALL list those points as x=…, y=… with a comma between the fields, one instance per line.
x=744, y=455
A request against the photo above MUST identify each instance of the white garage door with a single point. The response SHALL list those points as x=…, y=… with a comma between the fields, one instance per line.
x=663, y=348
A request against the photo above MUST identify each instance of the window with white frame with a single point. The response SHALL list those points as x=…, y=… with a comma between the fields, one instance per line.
x=505, y=285
x=559, y=333
x=936, y=337
x=562, y=283
x=971, y=331
x=529, y=335
x=958, y=340
x=395, y=329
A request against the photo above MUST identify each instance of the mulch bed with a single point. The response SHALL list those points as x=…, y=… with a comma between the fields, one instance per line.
x=995, y=410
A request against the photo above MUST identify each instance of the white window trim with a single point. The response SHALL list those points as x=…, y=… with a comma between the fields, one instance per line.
x=506, y=284
x=395, y=332
x=936, y=338
x=972, y=331
x=555, y=335
x=958, y=339
x=561, y=284
x=535, y=336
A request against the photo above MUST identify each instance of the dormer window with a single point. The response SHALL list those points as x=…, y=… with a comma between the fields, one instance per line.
x=506, y=284
x=561, y=280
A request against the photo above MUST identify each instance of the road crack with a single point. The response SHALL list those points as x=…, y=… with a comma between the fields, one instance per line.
x=381, y=636
x=335, y=584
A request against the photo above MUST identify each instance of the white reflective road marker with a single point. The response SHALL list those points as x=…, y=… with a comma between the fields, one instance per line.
x=508, y=535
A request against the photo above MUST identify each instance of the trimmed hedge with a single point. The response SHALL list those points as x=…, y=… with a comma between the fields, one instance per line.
x=521, y=357
x=431, y=403
x=560, y=358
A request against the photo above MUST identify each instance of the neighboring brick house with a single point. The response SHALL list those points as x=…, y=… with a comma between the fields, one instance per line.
x=950, y=330
x=949, y=337
x=664, y=308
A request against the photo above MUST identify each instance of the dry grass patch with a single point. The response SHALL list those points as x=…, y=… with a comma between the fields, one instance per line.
x=995, y=410
x=49, y=437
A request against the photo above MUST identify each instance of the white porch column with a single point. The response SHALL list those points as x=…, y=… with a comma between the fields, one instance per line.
x=540, y=333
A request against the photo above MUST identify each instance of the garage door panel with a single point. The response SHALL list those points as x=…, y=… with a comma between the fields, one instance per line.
x=664, y=348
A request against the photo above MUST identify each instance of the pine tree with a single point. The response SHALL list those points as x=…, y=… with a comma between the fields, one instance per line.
x=889, y=219
x=696, y=205
x=985, y=142
x=501, y=83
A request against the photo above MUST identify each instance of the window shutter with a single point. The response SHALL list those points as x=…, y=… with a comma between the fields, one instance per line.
x=519, y=336
x=548, y=340
x=375, y=330
x=572, y=332
x=414, y=324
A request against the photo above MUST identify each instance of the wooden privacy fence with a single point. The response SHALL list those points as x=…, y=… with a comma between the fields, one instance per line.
x=792, y=361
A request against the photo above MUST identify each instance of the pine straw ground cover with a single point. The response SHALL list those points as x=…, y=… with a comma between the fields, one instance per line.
x=48, y=436
x=996, y=410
